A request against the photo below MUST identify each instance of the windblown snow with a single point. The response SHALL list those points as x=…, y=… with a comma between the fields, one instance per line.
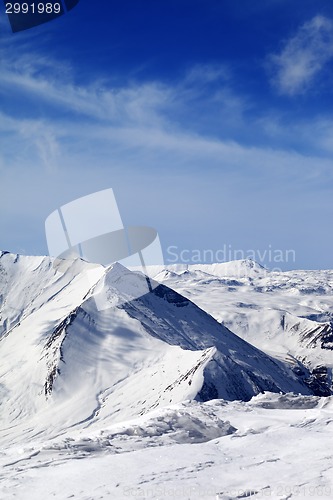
x=216, y=384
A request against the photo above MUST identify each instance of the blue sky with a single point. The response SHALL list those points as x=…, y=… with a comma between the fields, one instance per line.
x=210, y=119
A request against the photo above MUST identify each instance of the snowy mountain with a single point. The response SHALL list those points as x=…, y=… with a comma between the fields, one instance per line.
x=89, y=370
x=64, y=357
x=288, y=315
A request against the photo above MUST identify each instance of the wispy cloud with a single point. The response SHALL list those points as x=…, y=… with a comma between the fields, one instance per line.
x=303, y=56
x=195, y=119
x=75, y=112
x=208, y=73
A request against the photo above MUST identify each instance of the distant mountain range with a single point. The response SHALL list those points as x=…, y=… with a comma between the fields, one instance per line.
x=288, y=315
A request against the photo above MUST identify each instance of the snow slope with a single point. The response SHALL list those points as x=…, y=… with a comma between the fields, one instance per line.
x=274, y=446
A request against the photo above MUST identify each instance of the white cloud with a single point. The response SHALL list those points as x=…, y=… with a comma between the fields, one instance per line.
x=46, y=81
x=207, y=73
x=76, y=113
x=303, y=56
x=145, y=121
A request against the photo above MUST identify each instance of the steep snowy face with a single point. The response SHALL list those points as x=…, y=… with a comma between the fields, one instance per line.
x=29, y=283
x=21, y=281
x=288, y=314
x=237, y=371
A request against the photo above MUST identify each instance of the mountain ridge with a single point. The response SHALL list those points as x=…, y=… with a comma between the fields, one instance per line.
x=62, y=352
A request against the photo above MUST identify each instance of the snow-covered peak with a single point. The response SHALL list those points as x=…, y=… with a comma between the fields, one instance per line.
x=245, y=268
x=237, y=268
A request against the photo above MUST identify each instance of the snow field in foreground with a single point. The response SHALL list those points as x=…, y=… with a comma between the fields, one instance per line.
x=274, y=446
